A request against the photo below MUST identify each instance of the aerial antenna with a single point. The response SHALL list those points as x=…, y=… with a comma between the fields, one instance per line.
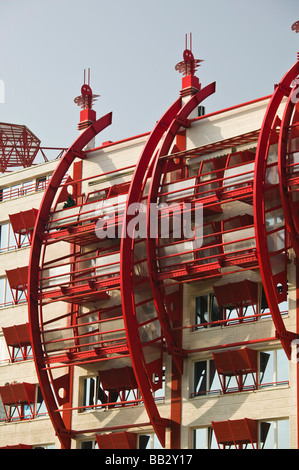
x=189, y=65
x=295, y=27
x=87, y=98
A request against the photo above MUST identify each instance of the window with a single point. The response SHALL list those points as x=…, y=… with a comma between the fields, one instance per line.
x=21, y=353
x=264, y=307
x=22, y=401
x=209, y=312
x=90, y=389
x=89, y=445
x=44, y=446
x=206, y=310
x=204, y=438
x=274, y=434
x=6, y=297
x=41, y=409
x=206, y=379
x=273, y=368
x=23, y=188
x=41, y=183
x=4, y=355
x=4, y=194
x=7, y=239
x=148, y=441
x=27, y=187
x=94, y=394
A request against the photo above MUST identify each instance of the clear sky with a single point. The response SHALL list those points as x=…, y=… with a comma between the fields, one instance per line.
x=132, y=47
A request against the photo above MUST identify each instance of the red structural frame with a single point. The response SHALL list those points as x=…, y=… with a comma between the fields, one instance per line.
x=271, y=127
x=288, y=172
x=76, y=150
x=169, y=125
x=148, y=176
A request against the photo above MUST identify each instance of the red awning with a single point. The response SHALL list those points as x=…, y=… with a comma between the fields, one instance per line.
x=237, y=294
x=18, y=393
x=118, y=379
x=239, y=431
x=117, y=440
x=17, y=335
x=18, y=277
x=234, y=362
x=22, y=222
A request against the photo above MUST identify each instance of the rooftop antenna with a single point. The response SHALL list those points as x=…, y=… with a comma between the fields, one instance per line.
x=189, y=65
x=87, y=98
x=190, y=83
x=86, y=101
x=295, y=27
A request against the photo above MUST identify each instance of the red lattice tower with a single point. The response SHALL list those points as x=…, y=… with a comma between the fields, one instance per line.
x=18, y=146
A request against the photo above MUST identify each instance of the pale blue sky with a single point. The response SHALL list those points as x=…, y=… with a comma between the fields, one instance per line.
x=132, y=47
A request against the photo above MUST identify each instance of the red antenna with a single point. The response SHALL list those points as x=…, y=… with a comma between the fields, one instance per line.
x=295, y=26
x=86, y=99
x=189, y=65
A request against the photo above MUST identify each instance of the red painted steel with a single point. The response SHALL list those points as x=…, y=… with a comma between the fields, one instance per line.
x=19, y=146
x=170, y=124
x=274, y=281
x=161, y=296
x=236, y=432
x=288, y=149
x=44, y=375
x=126, y=277
x=117, y=440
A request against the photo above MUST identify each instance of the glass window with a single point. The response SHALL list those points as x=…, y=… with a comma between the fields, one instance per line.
x=90, y=391
x=206, y=310
x=274, y=434
x=2, y=291
x=45, y=446
x=15, y=191
x=273, y=368
x=204, y=438
x=4, y=230
x=89, y=445
x=148, y=441
x=206, y=379
x=7, y=238
x=41, y=183
x=4, y=194
x=27, y=187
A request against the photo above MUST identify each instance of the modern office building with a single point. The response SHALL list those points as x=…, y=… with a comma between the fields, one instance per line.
x=149, y=286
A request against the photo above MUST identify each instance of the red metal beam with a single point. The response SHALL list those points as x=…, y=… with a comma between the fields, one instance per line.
x=35, y=254
x=268, y=129
x=289, y=126
x=126, y=278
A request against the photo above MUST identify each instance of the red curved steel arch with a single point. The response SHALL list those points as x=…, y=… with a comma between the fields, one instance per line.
x=126, y=277
x=163, y=307
x=272, y=276
x=172, y=120
x=288, y=167
x=33, y=272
